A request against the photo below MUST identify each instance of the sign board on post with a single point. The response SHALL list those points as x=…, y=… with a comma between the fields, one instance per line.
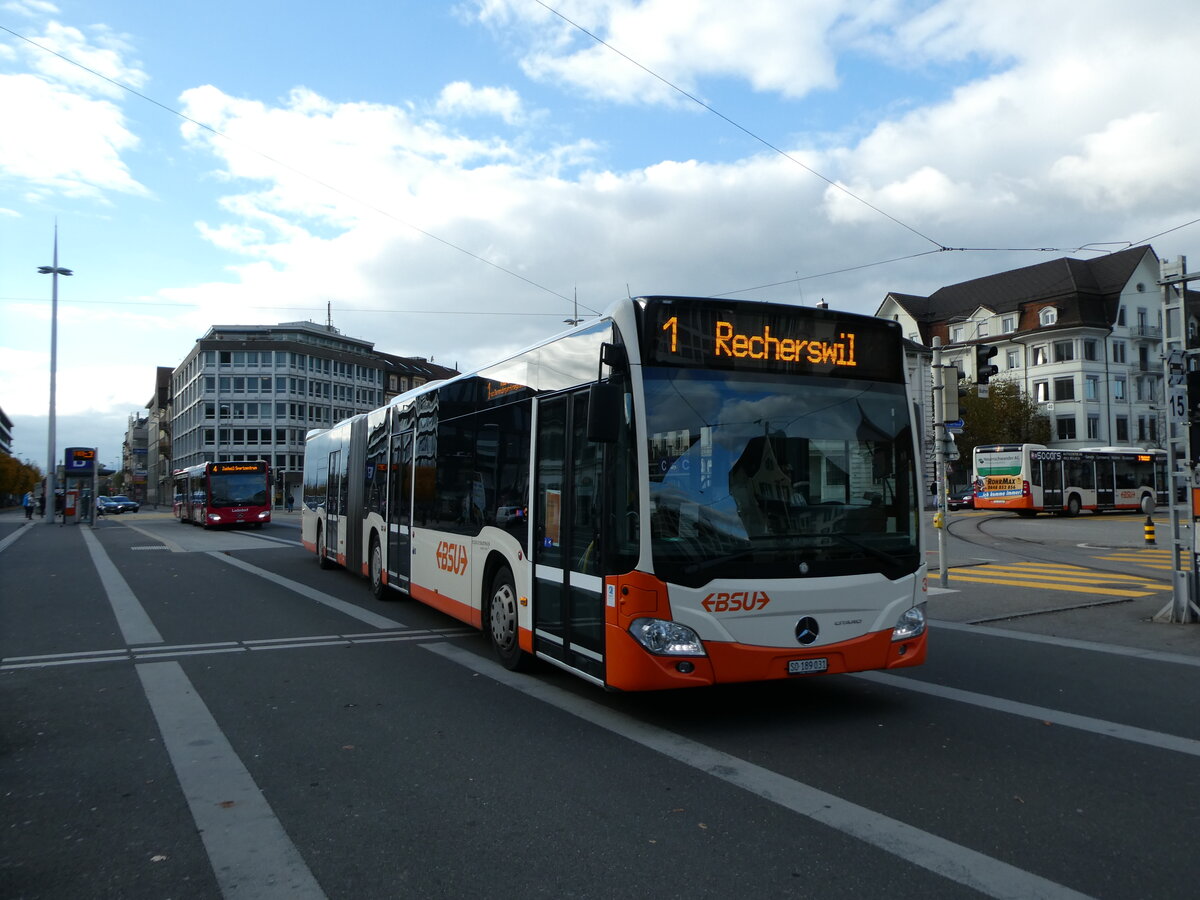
x=80, y=460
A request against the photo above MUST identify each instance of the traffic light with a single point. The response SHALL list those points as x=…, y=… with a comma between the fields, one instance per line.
x=983, y=368
x=951, y=392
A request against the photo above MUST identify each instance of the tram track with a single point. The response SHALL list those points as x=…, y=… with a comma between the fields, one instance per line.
x=973, y=531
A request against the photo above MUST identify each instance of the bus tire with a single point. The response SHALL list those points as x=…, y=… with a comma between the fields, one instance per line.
x=500, y=620
x=322, y=556
x=1073, y=505
x=375, y=568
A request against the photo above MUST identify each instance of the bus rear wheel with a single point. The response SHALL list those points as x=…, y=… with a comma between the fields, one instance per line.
x=376, y=568
x=500, y=619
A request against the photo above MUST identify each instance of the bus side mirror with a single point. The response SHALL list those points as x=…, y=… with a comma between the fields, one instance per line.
x=606, y=409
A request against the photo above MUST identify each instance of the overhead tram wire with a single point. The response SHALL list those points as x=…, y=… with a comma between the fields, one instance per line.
x=293, y=169
x=939, y=245
x=746, y=131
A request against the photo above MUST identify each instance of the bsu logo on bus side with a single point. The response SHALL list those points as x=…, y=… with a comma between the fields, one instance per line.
x=452, y=557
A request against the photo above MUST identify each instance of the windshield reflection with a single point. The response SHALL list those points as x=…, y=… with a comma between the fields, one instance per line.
x=755, y=474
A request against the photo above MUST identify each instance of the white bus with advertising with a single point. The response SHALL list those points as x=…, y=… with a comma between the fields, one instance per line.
x=1032, y=478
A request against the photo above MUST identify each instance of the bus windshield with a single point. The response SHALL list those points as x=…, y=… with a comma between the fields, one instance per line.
x=778, y=477
x=238, y=489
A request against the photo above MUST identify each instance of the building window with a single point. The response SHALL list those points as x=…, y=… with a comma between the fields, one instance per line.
x=1066, y=428
x=1091, y=349
x=1008, y=324
x=1122, y=429
x=1118, y=351
x=1048, y=316
x=1012, y=359
x=982, y=329
x=1119, y=389
x=1041, y=355
x=1064, y=388
x=1064, y=351
x=1093, y=428
x=1041, y=391
x=1120, y=315
x=956, y=334
x=1091, y=387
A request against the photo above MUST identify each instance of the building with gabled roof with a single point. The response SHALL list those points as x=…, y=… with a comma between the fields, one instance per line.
x=1082, y=337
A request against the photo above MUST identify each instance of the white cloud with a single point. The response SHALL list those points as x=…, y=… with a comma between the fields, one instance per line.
x=461, y=98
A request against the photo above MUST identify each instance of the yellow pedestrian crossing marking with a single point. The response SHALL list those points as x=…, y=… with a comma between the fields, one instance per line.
x=1149, y=558
x=1050, y=576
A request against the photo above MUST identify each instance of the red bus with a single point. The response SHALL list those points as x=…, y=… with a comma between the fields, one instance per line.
x=224, y=493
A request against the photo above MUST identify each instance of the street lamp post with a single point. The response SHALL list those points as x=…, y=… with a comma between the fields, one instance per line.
x=52, y=467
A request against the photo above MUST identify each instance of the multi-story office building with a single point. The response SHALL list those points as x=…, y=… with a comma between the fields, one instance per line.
x=159, y=485
x=133, y=457
x=253, y=391
x=1082, y=337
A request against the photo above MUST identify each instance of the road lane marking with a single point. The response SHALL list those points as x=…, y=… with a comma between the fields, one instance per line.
x=1180, y=659
x=1145, y=736
x=132, y=619
x=250, y=852
x=304, y=590
x=952, y=861
x=137, y=654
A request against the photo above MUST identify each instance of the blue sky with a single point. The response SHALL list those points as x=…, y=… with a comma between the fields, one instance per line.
x=448, y=176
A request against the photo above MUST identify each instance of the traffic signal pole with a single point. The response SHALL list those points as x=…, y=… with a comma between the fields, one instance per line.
x=1181, y=411
x=939, y=441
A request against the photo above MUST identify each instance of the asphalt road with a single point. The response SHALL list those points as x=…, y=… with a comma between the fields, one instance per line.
x=195, y=714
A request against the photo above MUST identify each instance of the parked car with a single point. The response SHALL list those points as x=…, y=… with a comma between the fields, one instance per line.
x=964, y=499
x=106, y=506
x=124, y=504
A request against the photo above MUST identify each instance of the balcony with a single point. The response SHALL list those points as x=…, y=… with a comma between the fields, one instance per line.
x=1146, y=332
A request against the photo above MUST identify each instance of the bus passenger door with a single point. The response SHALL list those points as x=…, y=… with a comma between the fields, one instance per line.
x=1052, y=484
x=1105, y=495
x=399, y=518
x=568, y=601
x=335, y=490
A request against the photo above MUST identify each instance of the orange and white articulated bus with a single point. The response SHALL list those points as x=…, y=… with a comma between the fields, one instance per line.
x=681, y=492
x=214, y=494
x=1031, y=478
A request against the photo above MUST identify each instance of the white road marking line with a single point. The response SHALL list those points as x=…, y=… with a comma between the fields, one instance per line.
x=942, y=857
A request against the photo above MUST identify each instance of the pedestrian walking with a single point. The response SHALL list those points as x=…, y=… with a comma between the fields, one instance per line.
x=28, y=502
x=290, y=501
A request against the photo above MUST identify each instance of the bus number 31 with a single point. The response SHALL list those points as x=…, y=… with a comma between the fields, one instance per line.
x=735, y=602
x=452, y=557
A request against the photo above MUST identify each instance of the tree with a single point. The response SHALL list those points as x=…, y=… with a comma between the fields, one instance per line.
x=1006, y=416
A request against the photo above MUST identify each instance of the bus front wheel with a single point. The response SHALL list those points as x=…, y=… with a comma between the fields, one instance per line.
x=501, y=622
x=322, y=553
x=1073, y=505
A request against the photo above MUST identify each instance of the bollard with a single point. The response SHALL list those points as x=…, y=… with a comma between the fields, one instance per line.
x=1149, y=529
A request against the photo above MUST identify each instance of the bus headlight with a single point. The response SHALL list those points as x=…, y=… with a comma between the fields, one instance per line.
x=666, y=638
x=911, y=624
x=265, y=514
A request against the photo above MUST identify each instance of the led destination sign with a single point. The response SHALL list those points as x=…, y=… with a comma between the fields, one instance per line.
x=227, y=467
x=770, y=337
